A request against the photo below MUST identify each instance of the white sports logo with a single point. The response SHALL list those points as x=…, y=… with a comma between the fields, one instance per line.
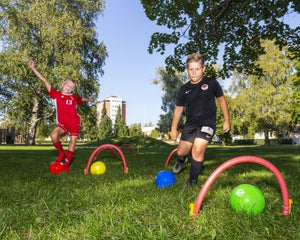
x=204, y=87
x=208, y=130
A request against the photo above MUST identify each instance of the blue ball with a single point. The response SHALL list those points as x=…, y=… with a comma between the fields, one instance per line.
x=165, y=179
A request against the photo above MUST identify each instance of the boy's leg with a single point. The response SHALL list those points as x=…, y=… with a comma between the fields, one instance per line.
x=195, y=171
x=198, y=152
x=184, y=147
x=56, y=133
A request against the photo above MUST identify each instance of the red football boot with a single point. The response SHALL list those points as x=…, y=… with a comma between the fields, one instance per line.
x=66, y=169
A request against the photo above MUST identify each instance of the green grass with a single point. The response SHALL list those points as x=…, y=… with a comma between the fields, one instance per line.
x=35, y=204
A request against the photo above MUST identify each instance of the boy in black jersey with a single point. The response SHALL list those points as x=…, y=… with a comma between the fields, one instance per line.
x=198, y=96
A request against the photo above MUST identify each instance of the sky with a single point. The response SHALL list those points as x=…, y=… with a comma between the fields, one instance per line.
x=129, y=69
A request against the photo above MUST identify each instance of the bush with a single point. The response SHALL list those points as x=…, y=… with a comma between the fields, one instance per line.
x=244, y=142
x=286, y=141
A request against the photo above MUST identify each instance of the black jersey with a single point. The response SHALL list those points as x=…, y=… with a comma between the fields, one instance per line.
x=199, y=100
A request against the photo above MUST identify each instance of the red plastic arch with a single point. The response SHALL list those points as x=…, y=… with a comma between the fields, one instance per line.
x=128, y=145
x=101, y=148
x=237, y=160
x=169, y=157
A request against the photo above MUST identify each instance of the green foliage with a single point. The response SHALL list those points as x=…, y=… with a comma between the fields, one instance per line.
x=44, y=129
x=205, y=26
x=103, y=111
x=120, y=128
x=165, y=122
x=60, y=36
x=262, y=141
x=38, y=205
x=226, y=138
x=135, y=130
x=170, y=84
x=244, y=142
x=264, y=104
x=150, y=124
x=89, y=128
x=105, y=127
x=296, y=89
x=154, y=133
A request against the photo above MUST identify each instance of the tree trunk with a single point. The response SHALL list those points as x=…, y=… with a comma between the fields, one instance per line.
x=267, y=140
x=30, y=140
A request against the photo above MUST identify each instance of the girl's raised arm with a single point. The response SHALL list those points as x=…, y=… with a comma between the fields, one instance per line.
x=39, y=75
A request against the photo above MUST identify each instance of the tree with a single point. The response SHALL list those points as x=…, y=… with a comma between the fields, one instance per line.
x=165, y=122
x=103, y=111
x=154, y=133
x=120, y=128
x=89, y=128
x=205, y=26
x=150, y=124
x=296, y=88
x=105, y=127
x=135, y=130
x=170, y=84
x=60, y=36
x=263, y=104
x=226, y=138
x=44, y=129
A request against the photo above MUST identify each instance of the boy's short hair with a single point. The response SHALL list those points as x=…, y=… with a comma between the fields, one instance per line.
x=195, y=57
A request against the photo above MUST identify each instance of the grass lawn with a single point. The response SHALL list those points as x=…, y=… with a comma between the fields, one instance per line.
x=35, y=204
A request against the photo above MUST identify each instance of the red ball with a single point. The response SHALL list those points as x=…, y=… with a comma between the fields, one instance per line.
x=56, y=167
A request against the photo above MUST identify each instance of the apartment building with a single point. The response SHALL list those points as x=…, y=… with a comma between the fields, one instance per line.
x=111, y=104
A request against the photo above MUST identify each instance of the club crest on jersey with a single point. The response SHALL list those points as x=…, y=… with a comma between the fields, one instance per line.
x=69, y=102
x=204, y=87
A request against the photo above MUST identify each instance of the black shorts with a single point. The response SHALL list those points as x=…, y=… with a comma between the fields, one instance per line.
x=204, y=132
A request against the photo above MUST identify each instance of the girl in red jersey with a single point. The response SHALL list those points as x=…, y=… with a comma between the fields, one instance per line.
x=67, y=118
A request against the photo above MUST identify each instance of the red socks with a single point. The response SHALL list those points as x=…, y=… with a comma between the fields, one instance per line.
x=58, y=146
x=68, y=158
x=61, y=151
x=62, y=154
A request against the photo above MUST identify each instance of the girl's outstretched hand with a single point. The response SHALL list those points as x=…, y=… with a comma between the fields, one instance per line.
x=31, y=64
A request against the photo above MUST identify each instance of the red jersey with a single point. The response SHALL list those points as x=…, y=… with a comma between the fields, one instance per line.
x=65, y=104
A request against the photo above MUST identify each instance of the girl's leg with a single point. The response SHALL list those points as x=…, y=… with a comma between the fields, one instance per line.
x=56, y=133
x=70, y=151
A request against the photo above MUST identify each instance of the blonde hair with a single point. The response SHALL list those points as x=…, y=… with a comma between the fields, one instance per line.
x=68, y=79
x=195, y=57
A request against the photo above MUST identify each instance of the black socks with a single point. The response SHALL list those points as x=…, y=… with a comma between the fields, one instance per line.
x=181, y=159
x=196, y=170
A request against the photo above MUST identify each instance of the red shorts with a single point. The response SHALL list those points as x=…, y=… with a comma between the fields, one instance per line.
x=72, y=129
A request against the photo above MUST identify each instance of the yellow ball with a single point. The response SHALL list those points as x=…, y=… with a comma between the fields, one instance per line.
x=98, y=168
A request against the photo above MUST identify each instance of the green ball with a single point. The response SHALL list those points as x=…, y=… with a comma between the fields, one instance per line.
x=247, y=198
